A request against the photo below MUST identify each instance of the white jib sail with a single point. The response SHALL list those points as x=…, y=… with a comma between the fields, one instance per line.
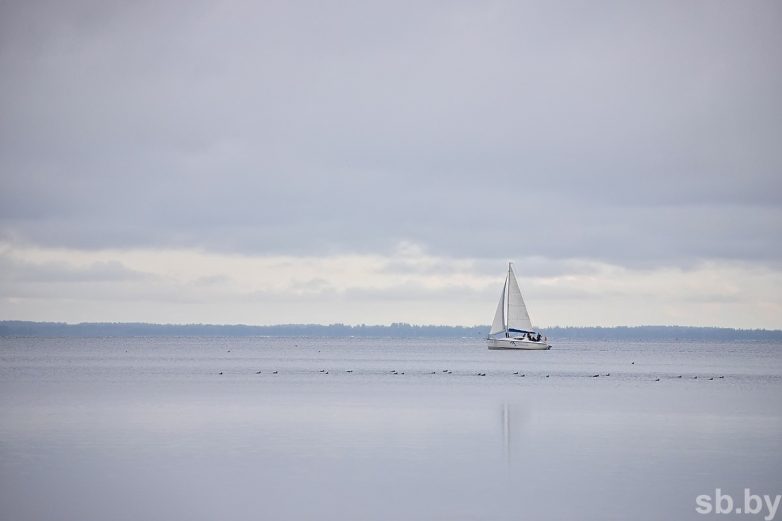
x=498, y=325
x=518, y=318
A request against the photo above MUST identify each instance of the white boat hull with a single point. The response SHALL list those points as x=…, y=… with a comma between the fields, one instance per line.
x=517, y=343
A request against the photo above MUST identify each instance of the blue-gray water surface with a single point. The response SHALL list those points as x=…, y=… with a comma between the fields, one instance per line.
x=349, y=428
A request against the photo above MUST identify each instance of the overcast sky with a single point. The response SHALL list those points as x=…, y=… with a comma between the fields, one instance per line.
x=287, y=162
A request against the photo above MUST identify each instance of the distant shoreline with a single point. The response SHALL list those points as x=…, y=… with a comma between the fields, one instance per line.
x=18, y=328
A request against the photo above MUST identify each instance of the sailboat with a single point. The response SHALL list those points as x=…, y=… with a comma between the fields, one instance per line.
x=511, y=327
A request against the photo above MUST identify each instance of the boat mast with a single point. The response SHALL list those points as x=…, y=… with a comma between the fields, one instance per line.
x=504, y=306
x=507, y=304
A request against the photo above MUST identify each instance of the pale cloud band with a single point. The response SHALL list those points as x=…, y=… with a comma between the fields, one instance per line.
x=186, y=286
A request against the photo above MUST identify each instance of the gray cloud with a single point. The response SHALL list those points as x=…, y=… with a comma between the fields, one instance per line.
x=637, y=134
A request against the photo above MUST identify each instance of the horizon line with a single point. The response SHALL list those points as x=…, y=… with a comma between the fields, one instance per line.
x=392, y=324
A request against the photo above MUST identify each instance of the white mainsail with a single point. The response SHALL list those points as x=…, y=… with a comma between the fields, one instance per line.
x=518, y=318
x=498, y=325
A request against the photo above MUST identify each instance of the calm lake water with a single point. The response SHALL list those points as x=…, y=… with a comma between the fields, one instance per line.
x=148, y=428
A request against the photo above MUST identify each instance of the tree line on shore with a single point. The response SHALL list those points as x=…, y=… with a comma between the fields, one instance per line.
x=400, y=329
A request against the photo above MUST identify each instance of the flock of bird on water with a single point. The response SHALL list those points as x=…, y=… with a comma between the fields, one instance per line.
x=516, y=373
